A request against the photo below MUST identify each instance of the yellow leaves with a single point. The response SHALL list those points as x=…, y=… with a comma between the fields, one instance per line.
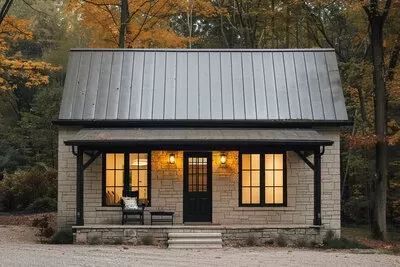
x=149, y=24
x=14, y=70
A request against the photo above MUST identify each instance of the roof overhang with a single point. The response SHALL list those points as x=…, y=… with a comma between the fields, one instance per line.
x=217, y=138
x=205, y=123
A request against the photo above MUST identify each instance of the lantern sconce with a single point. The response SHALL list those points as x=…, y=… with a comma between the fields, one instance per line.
x=223, y=159
x=171, y=158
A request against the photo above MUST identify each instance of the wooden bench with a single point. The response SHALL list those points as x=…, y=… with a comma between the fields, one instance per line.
x=162, y=217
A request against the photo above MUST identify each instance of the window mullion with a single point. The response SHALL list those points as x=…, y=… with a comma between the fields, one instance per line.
x=262, y=179
x=126, y=174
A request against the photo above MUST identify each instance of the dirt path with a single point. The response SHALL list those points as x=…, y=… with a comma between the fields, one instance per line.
x=17, y=248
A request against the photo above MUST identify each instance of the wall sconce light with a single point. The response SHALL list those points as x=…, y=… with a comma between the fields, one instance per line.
x=171, y=158
x=223, y=159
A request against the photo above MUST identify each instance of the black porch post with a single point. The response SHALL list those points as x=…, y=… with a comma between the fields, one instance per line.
x=79, y=187
x=317, y=187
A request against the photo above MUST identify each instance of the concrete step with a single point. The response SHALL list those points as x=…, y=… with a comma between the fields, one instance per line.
x=194, y=235
x=195, y=241
x=197, y=246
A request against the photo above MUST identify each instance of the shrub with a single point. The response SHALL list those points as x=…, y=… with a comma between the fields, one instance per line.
x=280, y=241
x=62, y=237
x=45, y=204
x=45, y=230
x=94, y=240
x=147, y=240
x=343, y=243
x=302, y=243
x=251, y=241
x=23, y=187
x=330, y=241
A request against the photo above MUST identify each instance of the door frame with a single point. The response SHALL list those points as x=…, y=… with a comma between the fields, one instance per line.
x=186, y=156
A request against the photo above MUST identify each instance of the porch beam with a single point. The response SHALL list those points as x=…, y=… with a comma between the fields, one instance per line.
x=79, y=186
x=93, y=157
x=305, y=159
x=317, y=187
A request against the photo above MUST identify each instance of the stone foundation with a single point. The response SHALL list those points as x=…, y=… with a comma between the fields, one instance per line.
x=231, y=235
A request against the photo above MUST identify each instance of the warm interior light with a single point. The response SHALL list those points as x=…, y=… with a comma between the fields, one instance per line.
x=171, y=158
x=223, y=159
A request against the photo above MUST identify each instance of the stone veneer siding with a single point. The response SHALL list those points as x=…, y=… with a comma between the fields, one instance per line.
x=167, y=189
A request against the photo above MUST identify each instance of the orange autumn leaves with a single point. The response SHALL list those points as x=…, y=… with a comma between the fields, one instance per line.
x=14, y=69
x=149, y=24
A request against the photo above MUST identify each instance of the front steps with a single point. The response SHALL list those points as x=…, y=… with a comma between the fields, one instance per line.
x=194, y=240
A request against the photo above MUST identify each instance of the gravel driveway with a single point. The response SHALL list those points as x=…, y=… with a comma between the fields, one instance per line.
x=15, y=251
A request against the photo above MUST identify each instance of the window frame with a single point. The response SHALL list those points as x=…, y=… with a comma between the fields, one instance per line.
x=126, y=186
x=262, y=178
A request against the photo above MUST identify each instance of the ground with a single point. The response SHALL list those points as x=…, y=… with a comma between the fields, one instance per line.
x=19, y=247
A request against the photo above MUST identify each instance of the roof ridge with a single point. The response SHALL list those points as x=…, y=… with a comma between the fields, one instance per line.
x=204, y=49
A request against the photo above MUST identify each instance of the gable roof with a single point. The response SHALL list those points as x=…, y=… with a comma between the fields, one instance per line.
x=210, y=85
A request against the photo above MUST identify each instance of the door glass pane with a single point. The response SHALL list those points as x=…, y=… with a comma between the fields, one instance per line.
x=143, y=161
x=197, y=174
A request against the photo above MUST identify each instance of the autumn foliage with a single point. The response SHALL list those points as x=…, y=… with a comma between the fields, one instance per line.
x=14, y=69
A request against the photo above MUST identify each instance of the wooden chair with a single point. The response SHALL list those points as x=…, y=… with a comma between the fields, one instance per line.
x=137, y=214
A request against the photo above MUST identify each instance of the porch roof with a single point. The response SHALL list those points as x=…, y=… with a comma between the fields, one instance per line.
x=176, y=137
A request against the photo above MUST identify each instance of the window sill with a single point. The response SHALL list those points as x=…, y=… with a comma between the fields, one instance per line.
x=265, y=208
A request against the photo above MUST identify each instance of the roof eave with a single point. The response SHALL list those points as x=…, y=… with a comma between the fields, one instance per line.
x=205, y=123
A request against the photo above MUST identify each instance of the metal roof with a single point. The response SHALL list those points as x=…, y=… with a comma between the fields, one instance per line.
x=217, y=85
x=193, y=135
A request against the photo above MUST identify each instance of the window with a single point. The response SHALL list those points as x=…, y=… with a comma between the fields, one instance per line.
x=262, y=179
x=125, y=172
x=114, y=178
x=138, y=173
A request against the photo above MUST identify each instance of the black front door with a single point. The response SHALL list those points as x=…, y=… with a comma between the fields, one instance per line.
x=197, y=187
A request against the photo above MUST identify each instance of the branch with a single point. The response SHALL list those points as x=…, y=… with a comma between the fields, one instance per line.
x=394, y=58
x=34, y=8
x=385, y=13
x=4, y=10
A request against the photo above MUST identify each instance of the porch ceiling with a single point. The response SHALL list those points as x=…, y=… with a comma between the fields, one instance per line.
x=211, y=136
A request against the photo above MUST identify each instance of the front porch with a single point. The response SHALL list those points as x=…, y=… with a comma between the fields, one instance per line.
x=232, y=235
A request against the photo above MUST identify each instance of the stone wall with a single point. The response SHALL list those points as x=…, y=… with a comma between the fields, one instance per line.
x=167, y=190
x=231, y=236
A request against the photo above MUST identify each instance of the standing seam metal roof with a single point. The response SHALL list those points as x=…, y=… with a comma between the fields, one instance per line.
x=172, y=84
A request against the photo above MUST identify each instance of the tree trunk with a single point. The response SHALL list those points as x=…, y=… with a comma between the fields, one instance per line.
x=123, y=23
x=380, y=181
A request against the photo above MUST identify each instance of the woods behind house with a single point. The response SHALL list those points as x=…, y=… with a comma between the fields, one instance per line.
x=35, y=36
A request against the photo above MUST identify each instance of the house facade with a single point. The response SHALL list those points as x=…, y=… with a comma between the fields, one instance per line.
x=236, y=140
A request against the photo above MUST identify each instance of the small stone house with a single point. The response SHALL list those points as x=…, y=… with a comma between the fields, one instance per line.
x=235, y=141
